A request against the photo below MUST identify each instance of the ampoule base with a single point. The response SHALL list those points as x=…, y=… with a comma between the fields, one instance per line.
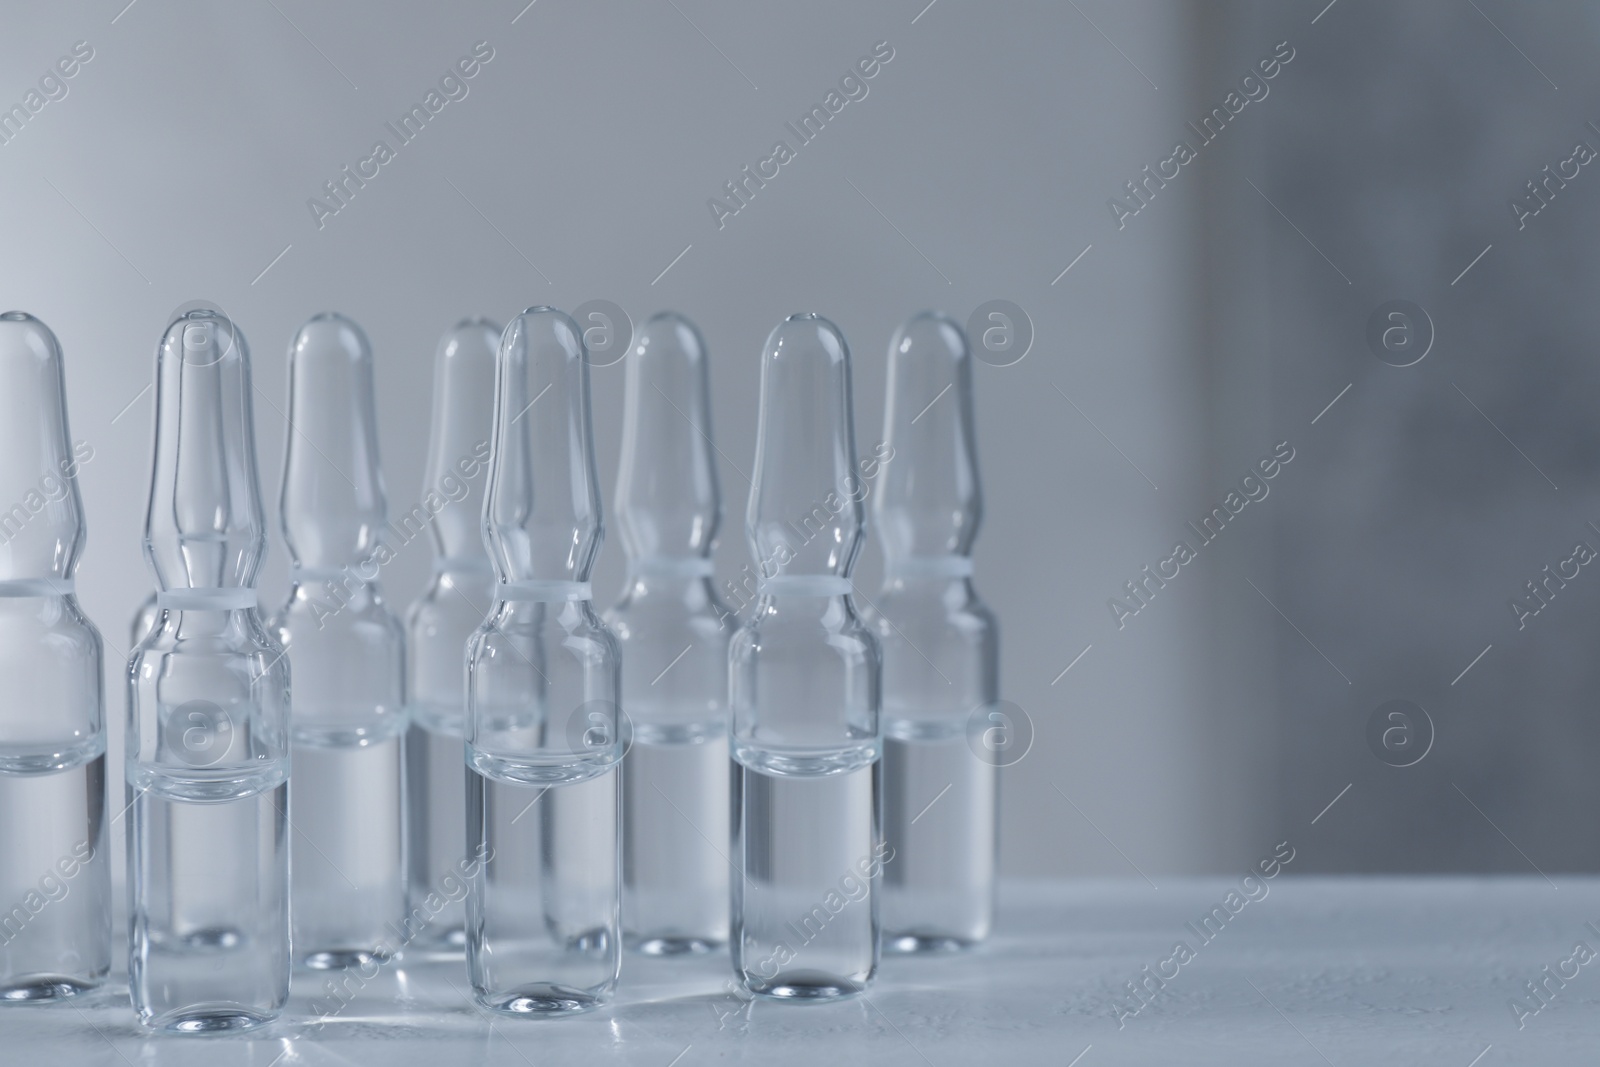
x=543, y=916
x=810, y=986
x=806, y=900
x=540, y=999
x=347, y=848
x=54, y=874
x=676, y=789
x=924, y=944
x=670, y=946
x=210, y=1019
x=436, y=790
x=43, y=988
x=340, y=959
x=939, y=809
x=209, y=863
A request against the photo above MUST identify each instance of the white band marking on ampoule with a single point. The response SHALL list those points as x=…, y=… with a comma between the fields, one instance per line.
x=544, y=591
x=671, y=567
x=37, y=587
x=805, y=585
x=234, y=598
x=929, y=567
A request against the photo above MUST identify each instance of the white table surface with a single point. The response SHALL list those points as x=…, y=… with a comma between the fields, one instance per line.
x=1322, y=970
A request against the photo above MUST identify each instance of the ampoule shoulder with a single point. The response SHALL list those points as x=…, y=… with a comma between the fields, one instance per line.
x=793, y=628
x=58, y=620
x=450, y=604
x=355, y=610
x=953, y=605
x=210, y=633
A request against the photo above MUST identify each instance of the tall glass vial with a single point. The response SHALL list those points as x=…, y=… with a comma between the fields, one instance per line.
x=348, y=653
x=543, y=685
x=940, y=650
x=674, y=635
x=55, y=890
x=804, y=691
x=208, y=712
x=438, y=626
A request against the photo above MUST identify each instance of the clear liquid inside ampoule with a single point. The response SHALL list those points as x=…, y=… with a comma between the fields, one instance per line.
x=811, y=852
x=939, y=805
x=55, y=909
x=436, y=792
x=548, y=902
x=213, y=859
x=676, y=793
x=347, y=840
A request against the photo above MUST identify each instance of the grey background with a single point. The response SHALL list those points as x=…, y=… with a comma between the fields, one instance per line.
x=1229, y=713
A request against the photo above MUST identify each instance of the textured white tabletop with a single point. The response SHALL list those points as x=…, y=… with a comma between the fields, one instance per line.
x=1319, y=970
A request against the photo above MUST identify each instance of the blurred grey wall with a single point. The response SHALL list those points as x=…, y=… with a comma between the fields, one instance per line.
x=1431, y=494
x=1174, y=346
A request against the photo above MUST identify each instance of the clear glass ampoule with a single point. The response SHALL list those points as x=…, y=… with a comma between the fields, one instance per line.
x=144, y=620
x=940, y=650
x=208, y=711
x=674, y=635
x=55, y=889
x=804, y=692
x=543, y=686
x=438, y=626
x=348, y=653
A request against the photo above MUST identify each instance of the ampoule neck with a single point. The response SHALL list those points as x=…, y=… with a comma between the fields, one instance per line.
x=826, y=599
x=542, y=515
x=218, y=599
x=676, y=578
x=352, y=578
x=663, y=570
x=906, y=571
x=806, y=587
x=206, y=613
x=461, y=577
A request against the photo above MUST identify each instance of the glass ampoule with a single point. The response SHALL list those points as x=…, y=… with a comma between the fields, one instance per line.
x=55, y=888
x=804, y=692
x=438, y=626
x=674, y=634
x=208, y=711
x=144, y=620
x=940, y=650
x=543, y=686
x=347, y=648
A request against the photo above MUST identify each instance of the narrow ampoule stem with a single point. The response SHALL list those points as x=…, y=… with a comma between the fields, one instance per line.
x=348, y=654
x=674, y=634
x=55, y=941
x=804, y=692
x=940, y=651
x=543, y=690
x=208, y=694
x=438, y=626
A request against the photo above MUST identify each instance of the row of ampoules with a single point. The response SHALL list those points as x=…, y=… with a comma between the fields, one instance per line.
x=552, y=849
